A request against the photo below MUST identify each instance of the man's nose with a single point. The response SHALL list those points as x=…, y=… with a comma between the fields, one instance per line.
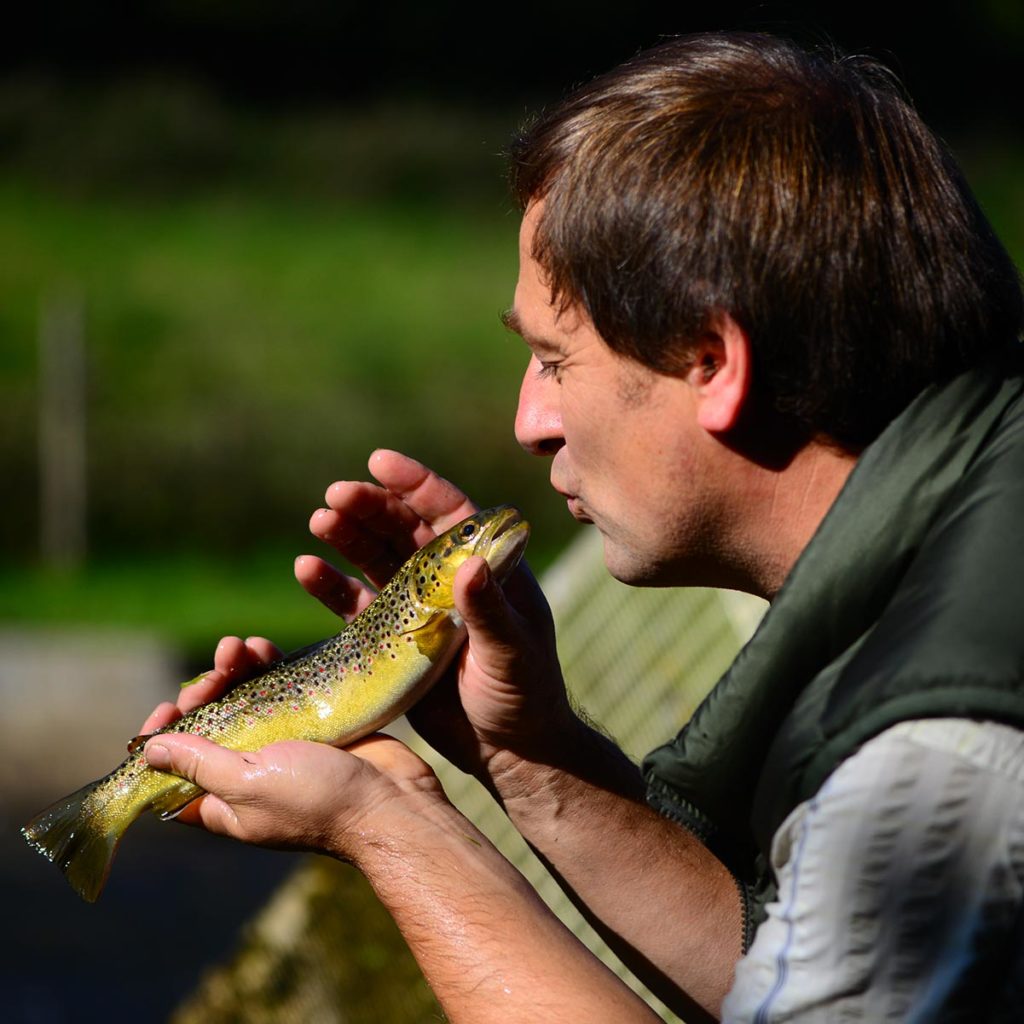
x=538, y=418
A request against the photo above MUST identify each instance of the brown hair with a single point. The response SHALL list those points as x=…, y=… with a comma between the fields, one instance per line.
x=799, y=192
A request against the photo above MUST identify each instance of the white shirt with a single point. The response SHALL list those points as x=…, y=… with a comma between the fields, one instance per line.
x=900, y=887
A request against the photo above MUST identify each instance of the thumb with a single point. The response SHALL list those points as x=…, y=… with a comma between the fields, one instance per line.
x=209, y=766
x=481, y=602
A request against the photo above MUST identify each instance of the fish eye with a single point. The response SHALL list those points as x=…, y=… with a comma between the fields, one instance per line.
x=469, y=529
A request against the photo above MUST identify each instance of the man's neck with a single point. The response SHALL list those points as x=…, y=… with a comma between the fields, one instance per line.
x=780, y=511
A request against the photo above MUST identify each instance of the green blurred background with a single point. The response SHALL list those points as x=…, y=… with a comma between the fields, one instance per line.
x=282, y=235
x=285, y=236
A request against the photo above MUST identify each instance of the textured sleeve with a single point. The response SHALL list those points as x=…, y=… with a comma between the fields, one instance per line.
x=899, y=887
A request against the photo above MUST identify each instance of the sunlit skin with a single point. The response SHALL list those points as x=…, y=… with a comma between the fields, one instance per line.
x=623, y=440
x=650, y=458
x=378, y=805
x=653, y=462
x=375, y=526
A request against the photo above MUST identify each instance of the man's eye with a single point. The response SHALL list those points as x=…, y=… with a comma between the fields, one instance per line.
x=549, y=370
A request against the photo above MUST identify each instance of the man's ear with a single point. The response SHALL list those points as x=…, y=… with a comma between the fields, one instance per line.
x=721, y=373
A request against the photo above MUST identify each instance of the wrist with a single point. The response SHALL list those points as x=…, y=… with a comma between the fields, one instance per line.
x=401, y=829
x=577, y=757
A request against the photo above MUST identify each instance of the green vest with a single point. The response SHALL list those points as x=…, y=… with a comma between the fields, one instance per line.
x=907, y=603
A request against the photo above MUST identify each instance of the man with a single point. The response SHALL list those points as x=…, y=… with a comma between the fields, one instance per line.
x=744, y=271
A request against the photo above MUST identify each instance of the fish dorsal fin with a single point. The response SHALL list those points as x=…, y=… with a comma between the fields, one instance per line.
x=194, y=679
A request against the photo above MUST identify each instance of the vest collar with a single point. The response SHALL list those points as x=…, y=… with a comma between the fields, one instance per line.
x=707, y=776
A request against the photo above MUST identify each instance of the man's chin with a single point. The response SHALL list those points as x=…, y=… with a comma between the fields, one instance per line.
x=629, y=568
x=635, y=570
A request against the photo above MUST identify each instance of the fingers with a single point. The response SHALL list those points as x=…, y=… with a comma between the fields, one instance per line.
x=163, y=714
x=194, y=758
x=294, y=794
x=367, y=507
x=203, y=690
x=377, y=544
x=234, y=660
x=341, y=594
x=494, y=631
x=435, y=500
x=377, y=528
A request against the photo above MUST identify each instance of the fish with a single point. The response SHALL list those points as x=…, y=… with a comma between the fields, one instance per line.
x=335, y=691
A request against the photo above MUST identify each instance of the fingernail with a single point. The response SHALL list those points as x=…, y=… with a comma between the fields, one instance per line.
x=158, y=755
x=482, y=579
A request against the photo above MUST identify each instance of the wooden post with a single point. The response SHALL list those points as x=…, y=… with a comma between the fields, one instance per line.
x=62, y=426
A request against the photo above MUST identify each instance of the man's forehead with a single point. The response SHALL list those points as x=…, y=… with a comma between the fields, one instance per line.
x=543, y=322
x=528, y=225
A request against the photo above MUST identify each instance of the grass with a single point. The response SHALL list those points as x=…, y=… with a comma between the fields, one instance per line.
x=191, y=602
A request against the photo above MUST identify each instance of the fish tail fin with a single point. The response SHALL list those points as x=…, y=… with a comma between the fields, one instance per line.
x=80, y=842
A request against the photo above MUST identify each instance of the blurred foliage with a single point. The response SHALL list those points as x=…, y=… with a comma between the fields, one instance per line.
x=267, y=301
x=243, y=354
x=269, y=296
x=190, y=601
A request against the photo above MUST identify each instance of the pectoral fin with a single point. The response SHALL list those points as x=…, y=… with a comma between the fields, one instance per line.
x=173, y=801
x=415, y=627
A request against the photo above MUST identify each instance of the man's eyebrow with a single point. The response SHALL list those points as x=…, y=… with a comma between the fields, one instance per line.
x=510, y=320
x=513, y=322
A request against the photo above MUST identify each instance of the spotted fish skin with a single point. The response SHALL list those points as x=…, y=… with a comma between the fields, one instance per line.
x=335, y=691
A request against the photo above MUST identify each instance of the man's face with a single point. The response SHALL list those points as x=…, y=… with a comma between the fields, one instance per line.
x=626, y=450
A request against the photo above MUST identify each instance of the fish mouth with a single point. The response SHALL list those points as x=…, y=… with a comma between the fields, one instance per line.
x=503, y=540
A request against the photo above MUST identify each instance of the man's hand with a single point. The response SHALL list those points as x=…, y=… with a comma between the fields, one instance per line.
x=501, y=713
x=506, y=692
x=234, y=660
x=488, y=946
x=300, y=795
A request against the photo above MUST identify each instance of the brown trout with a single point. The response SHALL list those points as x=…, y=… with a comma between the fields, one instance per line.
x=335, y=691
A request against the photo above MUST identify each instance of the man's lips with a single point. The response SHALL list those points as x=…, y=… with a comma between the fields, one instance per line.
x=576, y=508
x=573, y=502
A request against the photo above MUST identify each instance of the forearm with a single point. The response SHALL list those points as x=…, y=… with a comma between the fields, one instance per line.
x=488, y=946
x=666, y=905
